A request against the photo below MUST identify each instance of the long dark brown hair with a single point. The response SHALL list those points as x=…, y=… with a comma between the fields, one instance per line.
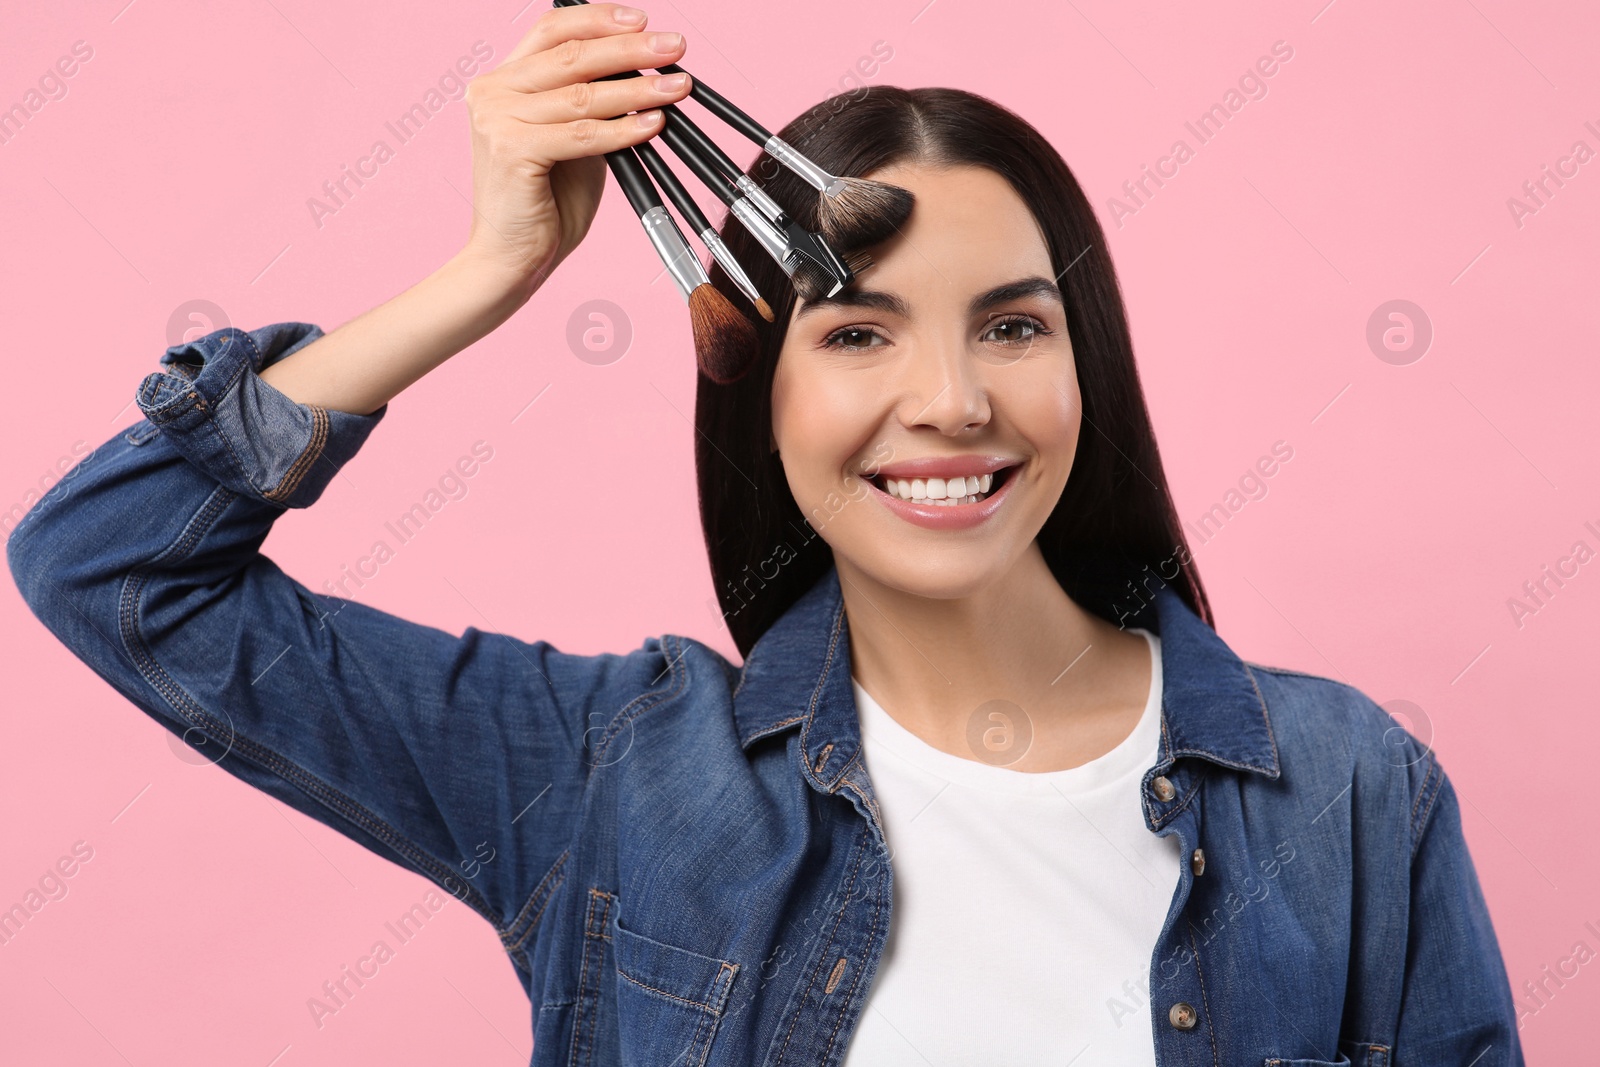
x=1113, y=538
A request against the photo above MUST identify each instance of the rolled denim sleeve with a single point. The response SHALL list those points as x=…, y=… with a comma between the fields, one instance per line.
x=460, y=756
x=215, y=409
x=1457, y=1005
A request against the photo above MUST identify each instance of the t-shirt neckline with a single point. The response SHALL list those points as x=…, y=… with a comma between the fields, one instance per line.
x=1134, y=753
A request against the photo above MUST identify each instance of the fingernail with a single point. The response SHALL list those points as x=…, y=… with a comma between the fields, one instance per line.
x=665, y=42
x=647, y=119
x=670, y=83
x=628, y=16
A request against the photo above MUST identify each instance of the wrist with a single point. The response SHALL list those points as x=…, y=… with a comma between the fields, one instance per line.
x=497, y=276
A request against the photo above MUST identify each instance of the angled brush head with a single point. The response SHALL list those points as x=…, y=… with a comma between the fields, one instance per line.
x=863, y=212
x=725, y=342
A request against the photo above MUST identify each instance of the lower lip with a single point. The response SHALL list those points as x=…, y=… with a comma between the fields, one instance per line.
x=948, y=516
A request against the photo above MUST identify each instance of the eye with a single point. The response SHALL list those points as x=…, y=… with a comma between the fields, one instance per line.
x=1019, y=329
x=852, y=338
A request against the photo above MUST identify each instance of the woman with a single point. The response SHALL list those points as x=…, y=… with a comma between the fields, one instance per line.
x=988, y=787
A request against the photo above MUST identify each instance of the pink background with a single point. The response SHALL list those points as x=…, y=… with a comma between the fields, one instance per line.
x=1420, y=497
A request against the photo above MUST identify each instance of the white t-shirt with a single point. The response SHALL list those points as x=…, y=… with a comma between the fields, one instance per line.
x=1026, y=906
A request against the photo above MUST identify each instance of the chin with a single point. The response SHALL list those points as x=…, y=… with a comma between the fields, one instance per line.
x=936, y=572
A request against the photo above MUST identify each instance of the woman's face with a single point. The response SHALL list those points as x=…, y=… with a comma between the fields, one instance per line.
x=947, y=360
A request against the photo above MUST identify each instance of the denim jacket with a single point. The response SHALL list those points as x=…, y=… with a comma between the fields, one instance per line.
x=684, y=859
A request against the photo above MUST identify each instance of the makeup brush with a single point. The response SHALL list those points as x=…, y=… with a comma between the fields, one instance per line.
x=724, y=340
x=854, y=212
x=669, y=183
x=806, y=257
x=811, y=263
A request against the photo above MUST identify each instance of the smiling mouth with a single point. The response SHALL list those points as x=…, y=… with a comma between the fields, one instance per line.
x=944, y=492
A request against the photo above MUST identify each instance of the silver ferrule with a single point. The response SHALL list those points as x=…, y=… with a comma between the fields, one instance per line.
x=682, y=263
x=776, y=245
x=791, y=157
x=768, y=206
x=723, y=255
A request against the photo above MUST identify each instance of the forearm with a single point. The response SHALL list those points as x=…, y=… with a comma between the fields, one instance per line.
x=358, y=367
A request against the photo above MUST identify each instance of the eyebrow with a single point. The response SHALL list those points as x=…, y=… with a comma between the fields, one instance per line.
x=892, y=303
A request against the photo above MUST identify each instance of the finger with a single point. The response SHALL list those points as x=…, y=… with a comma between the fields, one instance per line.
x=588, y=137
x=578, y=59
x=584, y=21
x=600, y=99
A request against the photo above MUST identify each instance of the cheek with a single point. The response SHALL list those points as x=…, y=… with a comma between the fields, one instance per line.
x=819, y=423
x=1048, y=413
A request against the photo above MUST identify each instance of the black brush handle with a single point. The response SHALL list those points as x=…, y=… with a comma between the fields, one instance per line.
x=720, y=106
x=708, y=173
x=635, y=183
x=714, y=102
x=675, y=191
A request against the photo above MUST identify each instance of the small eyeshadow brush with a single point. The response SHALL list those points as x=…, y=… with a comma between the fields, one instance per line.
x=723, y=338
x=854, y=212
x=698, y=222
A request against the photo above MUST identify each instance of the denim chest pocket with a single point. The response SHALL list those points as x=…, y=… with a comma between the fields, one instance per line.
x=670, y=1000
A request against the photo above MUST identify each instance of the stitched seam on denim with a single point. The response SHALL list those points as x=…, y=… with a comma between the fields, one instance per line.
x=1431, y=787
x=705, y=1031
x=847, y=777
x=313, y=450
x=251, y=358
x=1223, y=760
x=140, y=434
x=1266, y=718
x=634, y=708
x=670, y=996
x=156, y=676
x=210, y=423
x=774, y=728
x=816, y=693
x=855, y=981
x=542, y=893
x=822, y=954
x=1297, y=674
x=1211, y=1030
x=589, y=937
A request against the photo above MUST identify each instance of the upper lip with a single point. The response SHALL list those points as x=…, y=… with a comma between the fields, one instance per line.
x=942, y=467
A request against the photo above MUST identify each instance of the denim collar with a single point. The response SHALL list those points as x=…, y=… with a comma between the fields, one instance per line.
x=798, y=674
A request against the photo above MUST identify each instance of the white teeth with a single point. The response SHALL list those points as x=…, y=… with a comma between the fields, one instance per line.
x=944, y=492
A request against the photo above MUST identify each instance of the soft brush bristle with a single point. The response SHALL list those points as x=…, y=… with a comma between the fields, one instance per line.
x=864, y=212
x=858, y=262
x=725, y=341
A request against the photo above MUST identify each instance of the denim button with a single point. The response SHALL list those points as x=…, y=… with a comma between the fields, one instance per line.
x=1182, y=1016
x=1197, y=862
x=1163, y=788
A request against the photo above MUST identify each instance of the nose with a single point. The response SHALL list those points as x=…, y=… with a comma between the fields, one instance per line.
x=944, y=389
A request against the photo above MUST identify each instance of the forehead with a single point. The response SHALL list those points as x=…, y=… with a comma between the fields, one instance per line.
x=968, y=230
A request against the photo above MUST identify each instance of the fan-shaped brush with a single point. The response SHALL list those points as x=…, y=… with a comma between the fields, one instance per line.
x=854, y=212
